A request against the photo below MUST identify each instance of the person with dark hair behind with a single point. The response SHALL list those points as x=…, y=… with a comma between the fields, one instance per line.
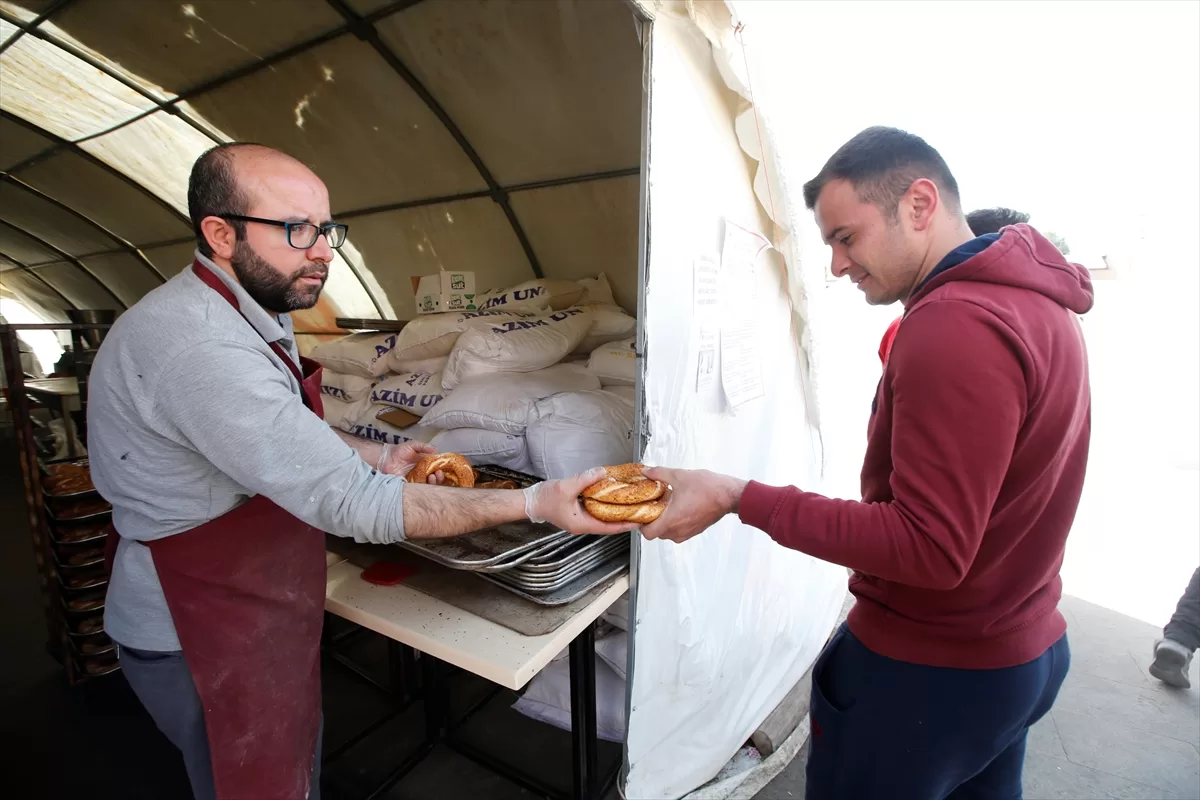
x=976, y=452
x=992, y=220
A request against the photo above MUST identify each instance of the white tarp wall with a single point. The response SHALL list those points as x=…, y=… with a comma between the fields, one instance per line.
x=727, y=623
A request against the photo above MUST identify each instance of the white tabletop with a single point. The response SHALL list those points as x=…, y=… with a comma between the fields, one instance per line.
x=447, y=632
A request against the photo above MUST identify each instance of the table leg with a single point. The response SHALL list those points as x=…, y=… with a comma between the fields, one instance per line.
x=584, y=748
x=433, y=677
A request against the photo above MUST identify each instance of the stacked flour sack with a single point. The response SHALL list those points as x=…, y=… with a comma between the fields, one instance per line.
x=511, y=384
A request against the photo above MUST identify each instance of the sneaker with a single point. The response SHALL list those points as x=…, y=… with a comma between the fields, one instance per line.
x=1171, y=662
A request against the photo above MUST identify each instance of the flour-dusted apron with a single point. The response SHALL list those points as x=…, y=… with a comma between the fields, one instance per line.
x=246, y=593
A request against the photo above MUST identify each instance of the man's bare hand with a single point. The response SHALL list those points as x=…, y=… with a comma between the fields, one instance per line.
x=557, y=502
x=696, y=500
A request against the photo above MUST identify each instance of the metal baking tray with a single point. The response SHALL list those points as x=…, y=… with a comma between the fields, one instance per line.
x=70, y=496
x=605, y=553
x=561, y=579
x=74, y=626
x=98, y=664
x=95, y=558
x=491, y=547
x=610, y=551
x=97, y=581
x=46, y=467
x=99, y=536
x=46, y=471
x=568, y=557
x=81, y=611
x=518, y=559
x=93, y=517
x=487, y=548
x=366, y=325
x=104, y=645
x=492, y=472
x=573, y=590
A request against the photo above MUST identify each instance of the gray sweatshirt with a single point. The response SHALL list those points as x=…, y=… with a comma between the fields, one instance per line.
x=190, y=414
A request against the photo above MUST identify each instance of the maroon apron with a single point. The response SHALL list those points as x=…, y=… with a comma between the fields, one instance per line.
x=246, y=593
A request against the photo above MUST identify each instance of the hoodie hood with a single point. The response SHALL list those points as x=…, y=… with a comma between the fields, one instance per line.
x=1025, y=259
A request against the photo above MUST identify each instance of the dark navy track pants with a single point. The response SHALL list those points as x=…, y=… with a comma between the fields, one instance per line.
x=889, y=730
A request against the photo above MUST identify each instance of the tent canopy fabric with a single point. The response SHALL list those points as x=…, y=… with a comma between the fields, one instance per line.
x=501, y=136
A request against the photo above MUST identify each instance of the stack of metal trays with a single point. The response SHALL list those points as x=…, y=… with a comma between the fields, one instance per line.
x=538, y=562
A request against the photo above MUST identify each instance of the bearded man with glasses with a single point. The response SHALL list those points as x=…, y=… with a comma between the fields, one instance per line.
x=205, y=432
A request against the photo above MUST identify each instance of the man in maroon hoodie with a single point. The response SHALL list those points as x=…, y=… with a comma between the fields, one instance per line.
x=975, y=461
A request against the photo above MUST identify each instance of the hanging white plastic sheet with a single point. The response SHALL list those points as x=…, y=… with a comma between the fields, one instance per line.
x=725, y=624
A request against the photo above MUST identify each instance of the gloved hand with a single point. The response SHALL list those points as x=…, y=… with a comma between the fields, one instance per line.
x=557, y=502
x=399, y=459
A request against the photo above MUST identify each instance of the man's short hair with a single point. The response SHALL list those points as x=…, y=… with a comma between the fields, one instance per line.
x=213, y=190
x=881, y=164
x=991, y=220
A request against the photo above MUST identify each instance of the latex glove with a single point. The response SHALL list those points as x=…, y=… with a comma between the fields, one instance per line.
x=557, y=502
x=399, y=459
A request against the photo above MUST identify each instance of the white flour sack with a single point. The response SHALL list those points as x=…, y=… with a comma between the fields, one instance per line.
x=504, y=401
x=609, y=324
x=575, y=431
x=367, y=425
x=347, y=388
x=624, y=392
x=363, y=354
x=597, y=290
x=341, y=414
x=484, y=447
x=416, y=392
x=433, y=335
x=615, y=364
x=518, y=345
x=537, y=293
x=426, y=365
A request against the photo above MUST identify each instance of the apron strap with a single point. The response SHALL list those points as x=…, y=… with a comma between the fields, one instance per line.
x=218, y=286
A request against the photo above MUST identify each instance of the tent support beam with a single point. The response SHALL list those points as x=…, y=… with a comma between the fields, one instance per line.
x=125, y=246
x=24, y=268
x=171, y=106
x=159, y=103
x=365, y=30
x=119, y=250
x=70, y=259
x=45, y=15
x=63, y=144
x=519, y=187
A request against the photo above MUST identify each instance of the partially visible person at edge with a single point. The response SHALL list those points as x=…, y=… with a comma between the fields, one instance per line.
x=976, y=452
x=981, y=222
x=205, y=433
x=1181, y=638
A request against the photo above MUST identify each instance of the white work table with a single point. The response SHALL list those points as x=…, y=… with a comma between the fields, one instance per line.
x=445, y=631
x=450, y=634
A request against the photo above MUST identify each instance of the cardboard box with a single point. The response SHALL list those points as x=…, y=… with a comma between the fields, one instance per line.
x=446, y=291
x=397, y=417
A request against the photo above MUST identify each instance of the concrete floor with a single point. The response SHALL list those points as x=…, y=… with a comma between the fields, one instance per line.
x=1114, y=732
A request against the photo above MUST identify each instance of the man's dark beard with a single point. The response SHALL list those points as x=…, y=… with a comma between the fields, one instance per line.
x=279, y=294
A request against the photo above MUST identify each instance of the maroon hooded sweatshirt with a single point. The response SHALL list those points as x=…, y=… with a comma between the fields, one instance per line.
x=975, y=462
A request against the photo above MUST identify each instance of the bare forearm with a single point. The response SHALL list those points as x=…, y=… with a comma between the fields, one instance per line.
x=438, y=512
x=368, y=451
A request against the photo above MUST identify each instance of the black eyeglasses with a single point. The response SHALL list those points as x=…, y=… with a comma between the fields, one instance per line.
x=301, y=235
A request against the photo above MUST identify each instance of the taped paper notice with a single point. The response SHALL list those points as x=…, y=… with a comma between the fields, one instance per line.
x=741, y=366
x=707, y=299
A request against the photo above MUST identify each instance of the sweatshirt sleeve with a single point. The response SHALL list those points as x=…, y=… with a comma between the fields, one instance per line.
x=958, y=401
